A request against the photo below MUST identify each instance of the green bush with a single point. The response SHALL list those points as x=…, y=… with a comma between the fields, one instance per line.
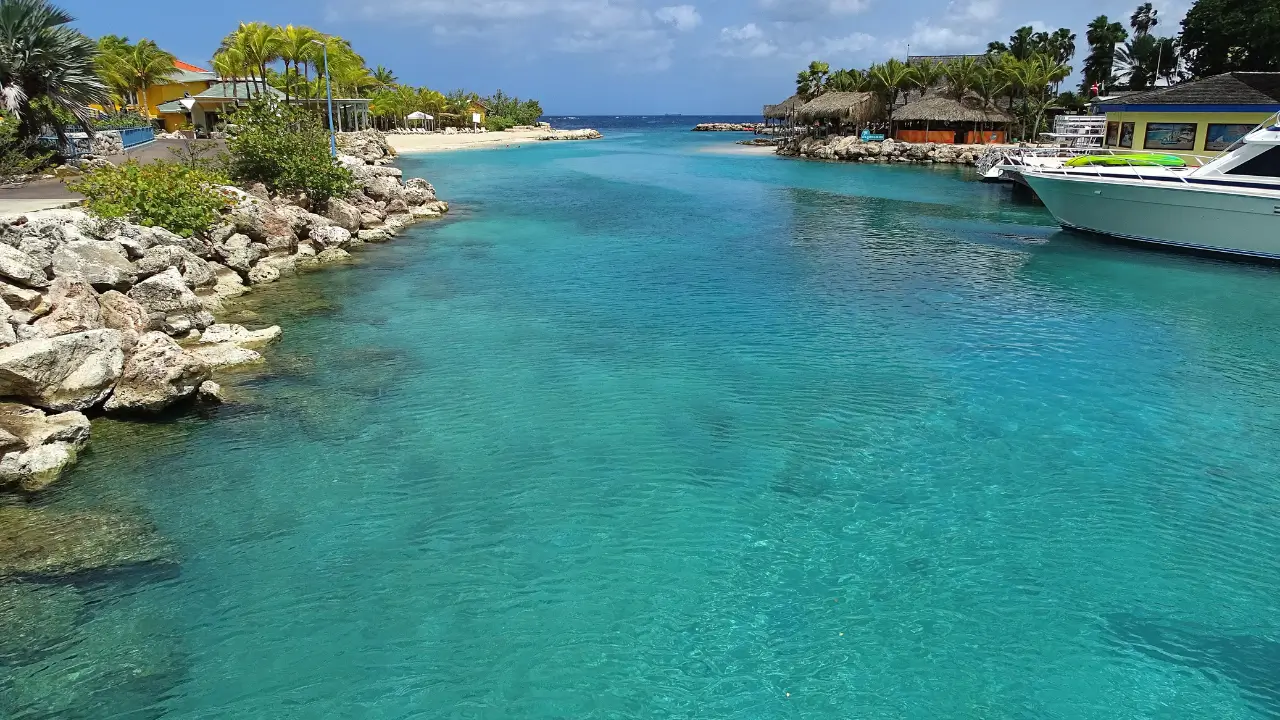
x=287, y=149
x=19, y=156
x=496, y=123
x=120, y=121
x=173, y=196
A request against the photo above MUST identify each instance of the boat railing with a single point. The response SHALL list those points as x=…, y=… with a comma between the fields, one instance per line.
x=1137, y=174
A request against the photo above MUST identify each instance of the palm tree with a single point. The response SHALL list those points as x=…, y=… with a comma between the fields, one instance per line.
x=259, y=44
x=1022, y=42
x=926, y=76
x=1102, y=36
x=1062, y=45
x=889, y=79
x=812, y=82
x=296, y=46
x=230, y=66
x=383, y=77
x=1143, y=19
x=146, y=65
x=962, y=75
x=110, y=67
x=41, y=58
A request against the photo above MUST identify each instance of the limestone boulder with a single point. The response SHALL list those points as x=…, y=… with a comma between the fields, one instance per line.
x=20, y=298
x=228, y=285
x=417, y=195
x=330, y=237
x=33, y=428
x=145, y=238
x=41, y=543
x=101, y=262
x=36, y=469
x=167, y=298
x=8, y=335
x=332, y=255
x=278, y=233
x=374, y=235
x=121, y=312
x=247, y=219
x=239, y=252
x=343, y=214
x=73, y=307
x=68, y=372
x=240, y=335
x=382, y=187
x=195, y=271
x=263, y=273
x=222, y=355
x=21, y=269
x=156, y=374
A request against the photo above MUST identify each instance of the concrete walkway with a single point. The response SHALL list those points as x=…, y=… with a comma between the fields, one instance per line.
x=36, y=195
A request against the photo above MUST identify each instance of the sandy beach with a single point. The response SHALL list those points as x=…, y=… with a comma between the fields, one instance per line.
x=439, y=142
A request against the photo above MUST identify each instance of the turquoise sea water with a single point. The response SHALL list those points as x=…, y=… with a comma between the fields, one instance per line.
x=645, y=431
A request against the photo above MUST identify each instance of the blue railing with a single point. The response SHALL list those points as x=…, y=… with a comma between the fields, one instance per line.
x=78, y=143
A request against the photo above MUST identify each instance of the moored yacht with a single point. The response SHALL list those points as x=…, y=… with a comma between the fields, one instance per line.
x=1230, y=205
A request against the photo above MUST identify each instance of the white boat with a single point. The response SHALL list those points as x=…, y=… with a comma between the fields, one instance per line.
x=1231, y=204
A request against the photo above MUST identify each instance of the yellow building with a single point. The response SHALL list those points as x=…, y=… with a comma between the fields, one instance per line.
x=1201, y=117
x=187, y=80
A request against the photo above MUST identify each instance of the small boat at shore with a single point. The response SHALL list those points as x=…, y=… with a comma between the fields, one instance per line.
x=1229, y=205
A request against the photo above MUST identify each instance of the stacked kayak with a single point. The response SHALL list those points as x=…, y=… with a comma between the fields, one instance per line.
x=1133, y=160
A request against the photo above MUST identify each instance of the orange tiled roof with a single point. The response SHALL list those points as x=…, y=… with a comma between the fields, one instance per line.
x=188, y=67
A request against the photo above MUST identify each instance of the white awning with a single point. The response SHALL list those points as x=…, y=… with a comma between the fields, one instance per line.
x=418, y=116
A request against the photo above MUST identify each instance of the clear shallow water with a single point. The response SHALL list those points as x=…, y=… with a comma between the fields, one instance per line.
x=648, y=431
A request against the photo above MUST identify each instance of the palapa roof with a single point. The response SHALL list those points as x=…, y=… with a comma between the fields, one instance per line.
x=1235, y=88
x=855, y=106
x=784, y=108
x=941, y=108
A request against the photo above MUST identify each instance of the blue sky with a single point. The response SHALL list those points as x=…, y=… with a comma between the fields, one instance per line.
x=615, y=56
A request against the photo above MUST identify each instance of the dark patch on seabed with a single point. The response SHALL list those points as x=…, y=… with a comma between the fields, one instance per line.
x=1250, y=662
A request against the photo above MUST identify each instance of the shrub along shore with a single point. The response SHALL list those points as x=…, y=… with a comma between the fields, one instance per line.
x=107, y=311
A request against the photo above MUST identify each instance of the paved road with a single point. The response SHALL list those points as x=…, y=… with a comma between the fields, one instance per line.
x=45, y=194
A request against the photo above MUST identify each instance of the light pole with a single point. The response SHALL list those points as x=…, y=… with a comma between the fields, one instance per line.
x=328, y=90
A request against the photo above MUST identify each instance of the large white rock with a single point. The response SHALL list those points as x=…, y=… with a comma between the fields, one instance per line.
x=156, y=374
x=239, y=252
x=240, y=335
x=382, y=187
x=103, y=263
x=223, y=355
x=344, y=214
x=73, y=307
x=330, y=237
x=21, y=268
x=195, y=271
x=166, y=295
x=36, y=469
x=146, y=238
x=33, y=428
x=19, y=298
x=68, y=372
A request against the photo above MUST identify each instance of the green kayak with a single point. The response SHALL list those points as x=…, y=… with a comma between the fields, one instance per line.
x=1139, y=159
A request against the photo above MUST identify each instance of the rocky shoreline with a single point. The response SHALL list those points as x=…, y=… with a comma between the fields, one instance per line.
x=727, y=127
x=102, y=318
x=853, y=149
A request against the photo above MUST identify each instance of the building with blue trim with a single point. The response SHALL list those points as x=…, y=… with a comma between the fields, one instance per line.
x=1198, y=117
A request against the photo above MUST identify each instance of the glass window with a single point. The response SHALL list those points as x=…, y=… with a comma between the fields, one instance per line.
x=1113, y=134
x=1220, y=137
x=1170, y=136
x=1126, y=135
x=1265, y=165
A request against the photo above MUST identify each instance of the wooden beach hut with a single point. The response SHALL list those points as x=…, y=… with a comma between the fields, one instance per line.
x=944, y=119
x=783, y=112
x=841, y=110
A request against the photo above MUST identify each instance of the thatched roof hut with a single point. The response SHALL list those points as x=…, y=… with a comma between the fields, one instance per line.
x=940, y=109
x=784, y=109
x=842, y=106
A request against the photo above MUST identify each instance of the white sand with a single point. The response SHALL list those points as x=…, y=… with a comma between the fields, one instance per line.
x=736, y=149
x=439, y=142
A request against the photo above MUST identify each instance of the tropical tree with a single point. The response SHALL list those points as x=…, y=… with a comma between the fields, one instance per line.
x=812, y=82
x=383, y=77
x=889, y=79
x=962, y=75
x=46, y=67
x=1062, y=45
x=926, y=75
x=1143, y=19
x=259, y=44
x=296, y=45
x=1103, y=35
x=110, y=67
x=1221, y=36
x=143, y=66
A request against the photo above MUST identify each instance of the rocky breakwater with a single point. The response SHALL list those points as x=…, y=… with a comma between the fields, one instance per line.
x=725, y=127
x=853, y=149
x=118, y=318
x=583, y=134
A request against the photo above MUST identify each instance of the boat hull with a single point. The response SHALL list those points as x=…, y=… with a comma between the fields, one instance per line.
x=1168, y=213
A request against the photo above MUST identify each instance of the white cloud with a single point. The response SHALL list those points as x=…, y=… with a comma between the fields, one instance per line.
x=747, y=41
x=810, y=10
x=847, y=45
x=683, y=17
x=935, y=38
x=747, y=32
x=979, y=10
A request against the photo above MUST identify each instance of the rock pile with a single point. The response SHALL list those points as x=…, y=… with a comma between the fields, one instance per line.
x=119, y=318
x=583, y=134
x=368, y=145
x=725, y=127
x=853, y=149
